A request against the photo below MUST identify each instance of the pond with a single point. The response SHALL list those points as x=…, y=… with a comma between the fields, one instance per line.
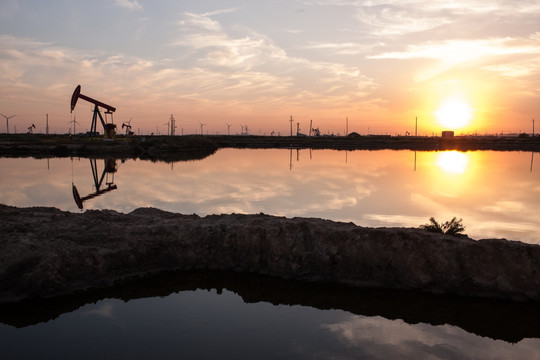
x=497, y=194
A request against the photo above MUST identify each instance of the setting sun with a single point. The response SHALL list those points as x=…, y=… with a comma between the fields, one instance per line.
x=454, y=113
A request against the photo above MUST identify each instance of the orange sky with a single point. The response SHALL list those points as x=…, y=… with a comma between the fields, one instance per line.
x=379, y=63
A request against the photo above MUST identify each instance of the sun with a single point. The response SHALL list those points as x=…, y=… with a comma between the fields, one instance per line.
x=454, y=113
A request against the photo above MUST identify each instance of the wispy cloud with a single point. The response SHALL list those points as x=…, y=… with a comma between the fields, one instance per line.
x=508, y=56
x=347, y=48
x=391, y=18
x=219, y=12
x=213, y=48
x=129, y=4
x=457, y=51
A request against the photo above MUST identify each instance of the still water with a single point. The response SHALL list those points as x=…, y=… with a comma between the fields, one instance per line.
x=496, y=193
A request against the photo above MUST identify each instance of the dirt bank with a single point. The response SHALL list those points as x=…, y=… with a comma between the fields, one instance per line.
x=155, y=148
x=177, y=148
x=45, y=252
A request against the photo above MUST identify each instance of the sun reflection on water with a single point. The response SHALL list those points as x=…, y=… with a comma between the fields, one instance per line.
x=452, y=162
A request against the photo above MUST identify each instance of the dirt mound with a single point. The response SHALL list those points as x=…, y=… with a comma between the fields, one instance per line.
x=46, y=252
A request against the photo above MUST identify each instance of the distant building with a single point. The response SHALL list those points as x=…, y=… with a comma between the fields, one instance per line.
x=447, y=134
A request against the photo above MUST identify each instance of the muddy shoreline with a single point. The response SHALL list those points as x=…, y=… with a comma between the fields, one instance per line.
x=178, y=148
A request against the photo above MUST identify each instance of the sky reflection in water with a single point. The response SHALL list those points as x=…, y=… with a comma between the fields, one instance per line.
x=203, y=324
x=496, y=193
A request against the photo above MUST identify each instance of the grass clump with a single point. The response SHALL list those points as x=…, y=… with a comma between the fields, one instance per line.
x=453, y=227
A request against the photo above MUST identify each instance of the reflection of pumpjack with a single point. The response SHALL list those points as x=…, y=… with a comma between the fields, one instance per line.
x=110, y=168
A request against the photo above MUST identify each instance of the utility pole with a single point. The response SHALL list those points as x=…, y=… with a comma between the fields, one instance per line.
x=173, y=125
x=416, y=127
x=47, y=125
x=533, y=128
x=291, y=124
x=347, y=126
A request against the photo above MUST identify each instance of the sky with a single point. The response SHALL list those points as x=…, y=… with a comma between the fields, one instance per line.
x=374, y=67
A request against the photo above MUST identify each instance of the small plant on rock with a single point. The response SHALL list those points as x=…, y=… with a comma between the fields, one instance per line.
x=453, y=227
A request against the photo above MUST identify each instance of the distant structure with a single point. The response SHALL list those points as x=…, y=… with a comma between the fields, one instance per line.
x=7, y=121
x=447, y=134
x=128, y=127
x=228, y=129
x=173, y=125
x=74, y=122
x=291, y=121
x=30, y=129
x=201, y=127
x=244, y=130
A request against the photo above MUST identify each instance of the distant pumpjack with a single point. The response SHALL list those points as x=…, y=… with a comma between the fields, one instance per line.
x=128, y=127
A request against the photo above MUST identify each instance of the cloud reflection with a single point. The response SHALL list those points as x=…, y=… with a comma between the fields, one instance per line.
x=105, y=309
x=395, y=339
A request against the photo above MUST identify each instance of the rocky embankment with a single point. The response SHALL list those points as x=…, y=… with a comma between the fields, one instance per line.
x=45, y=252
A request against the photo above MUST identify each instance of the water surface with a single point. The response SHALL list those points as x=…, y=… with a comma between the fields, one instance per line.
x=497, y=194
x=205, y=324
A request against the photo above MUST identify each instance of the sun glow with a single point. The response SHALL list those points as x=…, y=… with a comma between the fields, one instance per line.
x=454, y=113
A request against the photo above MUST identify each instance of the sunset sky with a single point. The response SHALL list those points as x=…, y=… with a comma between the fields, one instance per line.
x=473, y=65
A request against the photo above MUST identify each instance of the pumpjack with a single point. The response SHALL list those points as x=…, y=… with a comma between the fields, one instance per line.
x=108, y=128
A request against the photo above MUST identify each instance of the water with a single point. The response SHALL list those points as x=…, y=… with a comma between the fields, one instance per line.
x=203, y=324
x=496, y=193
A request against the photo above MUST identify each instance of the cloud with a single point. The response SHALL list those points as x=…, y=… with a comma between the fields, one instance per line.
x=346, y=48
x=510, y=57
x=396, y=18
x=219, y=12
x=458, y=51
x=211, y=47
x=129, y=4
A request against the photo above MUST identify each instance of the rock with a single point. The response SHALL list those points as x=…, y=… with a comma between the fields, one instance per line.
x=45, y=252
